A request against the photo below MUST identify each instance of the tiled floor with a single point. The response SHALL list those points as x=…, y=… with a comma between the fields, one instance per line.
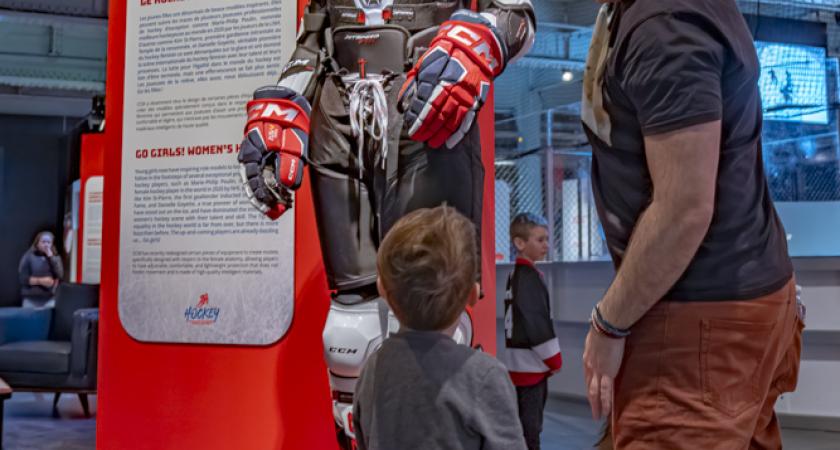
x=567, y=426
x=28, y=423
x=29, y=426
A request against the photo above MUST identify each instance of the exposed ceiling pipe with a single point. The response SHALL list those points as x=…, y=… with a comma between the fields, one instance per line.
x=85, y=8
x=562, y=27
x=37, y=18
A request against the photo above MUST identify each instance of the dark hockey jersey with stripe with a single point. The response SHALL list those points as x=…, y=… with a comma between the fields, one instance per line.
x=532, y=350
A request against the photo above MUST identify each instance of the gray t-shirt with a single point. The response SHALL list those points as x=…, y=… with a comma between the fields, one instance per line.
x=421, y=390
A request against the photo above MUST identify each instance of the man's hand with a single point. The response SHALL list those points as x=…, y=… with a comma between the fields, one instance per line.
x=602, y=358
x=273, y=153
x=450, y=82
x=683, y=168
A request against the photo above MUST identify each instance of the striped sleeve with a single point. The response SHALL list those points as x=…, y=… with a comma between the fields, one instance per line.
x=549, y=352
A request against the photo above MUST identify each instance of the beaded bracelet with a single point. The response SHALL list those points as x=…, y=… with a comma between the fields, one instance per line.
x=600, y=330
x=604, y=327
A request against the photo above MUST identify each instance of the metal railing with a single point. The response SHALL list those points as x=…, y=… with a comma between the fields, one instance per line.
x=552, y=182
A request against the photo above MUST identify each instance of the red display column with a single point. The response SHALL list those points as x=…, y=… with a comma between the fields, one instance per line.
x=177, y=396
x=484, y=313
x=92, y=164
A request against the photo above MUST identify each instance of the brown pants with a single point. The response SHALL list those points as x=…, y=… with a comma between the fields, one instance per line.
x=707, y=374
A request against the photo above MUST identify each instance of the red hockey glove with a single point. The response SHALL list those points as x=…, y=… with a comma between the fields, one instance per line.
x=272, y=155
x=450, y=82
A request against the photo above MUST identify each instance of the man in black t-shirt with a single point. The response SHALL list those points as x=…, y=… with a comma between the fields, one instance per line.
x=701, y=318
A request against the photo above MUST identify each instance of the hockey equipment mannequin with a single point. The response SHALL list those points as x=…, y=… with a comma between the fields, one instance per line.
x=367, y=167
x=353, y=333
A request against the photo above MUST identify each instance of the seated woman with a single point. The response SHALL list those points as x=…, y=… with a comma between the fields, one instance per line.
x=39, y=272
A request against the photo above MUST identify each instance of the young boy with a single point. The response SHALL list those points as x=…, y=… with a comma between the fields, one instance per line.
x=421, y=390
x=532, y=351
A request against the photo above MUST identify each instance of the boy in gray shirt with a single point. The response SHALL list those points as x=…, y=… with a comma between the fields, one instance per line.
x=421, y=390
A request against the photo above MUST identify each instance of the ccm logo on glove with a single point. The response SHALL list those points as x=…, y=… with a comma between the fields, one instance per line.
x=474, y=40
x=271, y=110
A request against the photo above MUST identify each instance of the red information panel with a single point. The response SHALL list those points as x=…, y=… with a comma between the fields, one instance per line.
x=198, y=263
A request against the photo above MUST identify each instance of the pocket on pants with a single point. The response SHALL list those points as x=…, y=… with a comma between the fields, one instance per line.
x=732, y=353
x=790, y=366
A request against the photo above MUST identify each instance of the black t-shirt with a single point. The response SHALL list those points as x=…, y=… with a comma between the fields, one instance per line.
x=675, y=64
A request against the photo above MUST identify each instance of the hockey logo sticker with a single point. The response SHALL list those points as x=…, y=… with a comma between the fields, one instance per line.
x=363, y=38
x=202, y=313
x=297, y=63
x=472, y=39
x=368, y=4
x=402, y=14
x=350, y=16
x=271, y=110
x=344, y=350
x=273, y=132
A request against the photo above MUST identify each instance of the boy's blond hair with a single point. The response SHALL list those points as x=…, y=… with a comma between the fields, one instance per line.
x=427, y=264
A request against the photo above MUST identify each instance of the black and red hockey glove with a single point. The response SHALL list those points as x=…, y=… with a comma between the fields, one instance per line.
x=273, y=153
x=450, y=82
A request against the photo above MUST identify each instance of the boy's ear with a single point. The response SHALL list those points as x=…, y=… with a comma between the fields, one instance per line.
x=381, y=288
x=519, y=243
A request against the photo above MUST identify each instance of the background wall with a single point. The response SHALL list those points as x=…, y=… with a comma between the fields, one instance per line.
x=35, y=166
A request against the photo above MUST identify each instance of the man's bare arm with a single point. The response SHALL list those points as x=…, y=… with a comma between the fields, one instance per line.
x=683, y=166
